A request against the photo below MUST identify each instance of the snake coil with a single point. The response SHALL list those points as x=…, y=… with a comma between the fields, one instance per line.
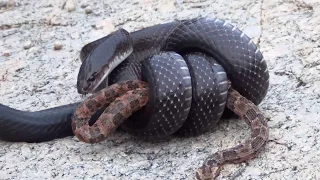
x=193, y=70
x=220, y=43
x=187, y=65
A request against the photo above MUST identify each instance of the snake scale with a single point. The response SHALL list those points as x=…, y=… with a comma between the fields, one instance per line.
x=193, y=69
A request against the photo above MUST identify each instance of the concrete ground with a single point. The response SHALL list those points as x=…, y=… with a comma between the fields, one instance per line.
x=34, y=76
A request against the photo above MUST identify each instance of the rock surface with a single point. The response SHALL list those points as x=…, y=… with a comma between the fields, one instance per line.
x=288, y=33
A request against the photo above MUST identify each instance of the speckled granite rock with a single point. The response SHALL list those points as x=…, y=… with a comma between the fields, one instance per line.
x=288, y=33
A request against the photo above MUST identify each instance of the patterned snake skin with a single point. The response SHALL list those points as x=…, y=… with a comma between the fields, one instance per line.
x=248, y=112
x=122, y=100
x=187, y=92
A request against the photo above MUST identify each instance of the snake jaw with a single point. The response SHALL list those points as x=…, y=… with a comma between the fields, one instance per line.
x=101, y=61
x=104, y=73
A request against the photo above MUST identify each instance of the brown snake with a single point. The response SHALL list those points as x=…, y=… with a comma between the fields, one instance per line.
x=124, y=98
x=250, y=113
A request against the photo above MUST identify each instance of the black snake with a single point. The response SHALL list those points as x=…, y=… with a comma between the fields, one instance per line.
x=188, y=90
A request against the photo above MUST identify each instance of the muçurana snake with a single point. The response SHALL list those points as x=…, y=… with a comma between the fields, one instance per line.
x=197, y=86
x=178, y=73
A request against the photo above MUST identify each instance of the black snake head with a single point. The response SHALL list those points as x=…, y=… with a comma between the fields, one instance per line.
x=99, y=63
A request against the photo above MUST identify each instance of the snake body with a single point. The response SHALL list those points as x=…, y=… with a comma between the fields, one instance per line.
x=245, y=151
x=179, y=81
x=187, y=65
x=188, y=91
x=39, y=126
x=127, y=97
x=122, y=100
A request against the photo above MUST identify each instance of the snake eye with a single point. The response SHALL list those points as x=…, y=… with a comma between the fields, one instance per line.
x=92, y=77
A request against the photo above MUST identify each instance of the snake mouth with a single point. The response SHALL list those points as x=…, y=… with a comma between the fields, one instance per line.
x=106, y=70
x=102, y=76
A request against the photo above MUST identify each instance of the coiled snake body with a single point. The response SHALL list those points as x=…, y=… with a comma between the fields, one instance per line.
x=185, y=93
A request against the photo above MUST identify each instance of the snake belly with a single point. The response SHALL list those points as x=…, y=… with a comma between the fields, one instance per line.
x=188, y=93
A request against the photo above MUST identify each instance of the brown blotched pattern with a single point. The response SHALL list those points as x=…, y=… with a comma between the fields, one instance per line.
x=250, y=113
x=122, y=100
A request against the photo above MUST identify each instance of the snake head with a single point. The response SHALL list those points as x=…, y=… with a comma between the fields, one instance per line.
x=109, y=52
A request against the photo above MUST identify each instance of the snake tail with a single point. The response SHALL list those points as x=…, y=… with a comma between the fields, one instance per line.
x=250, y=113
x=37, y=126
